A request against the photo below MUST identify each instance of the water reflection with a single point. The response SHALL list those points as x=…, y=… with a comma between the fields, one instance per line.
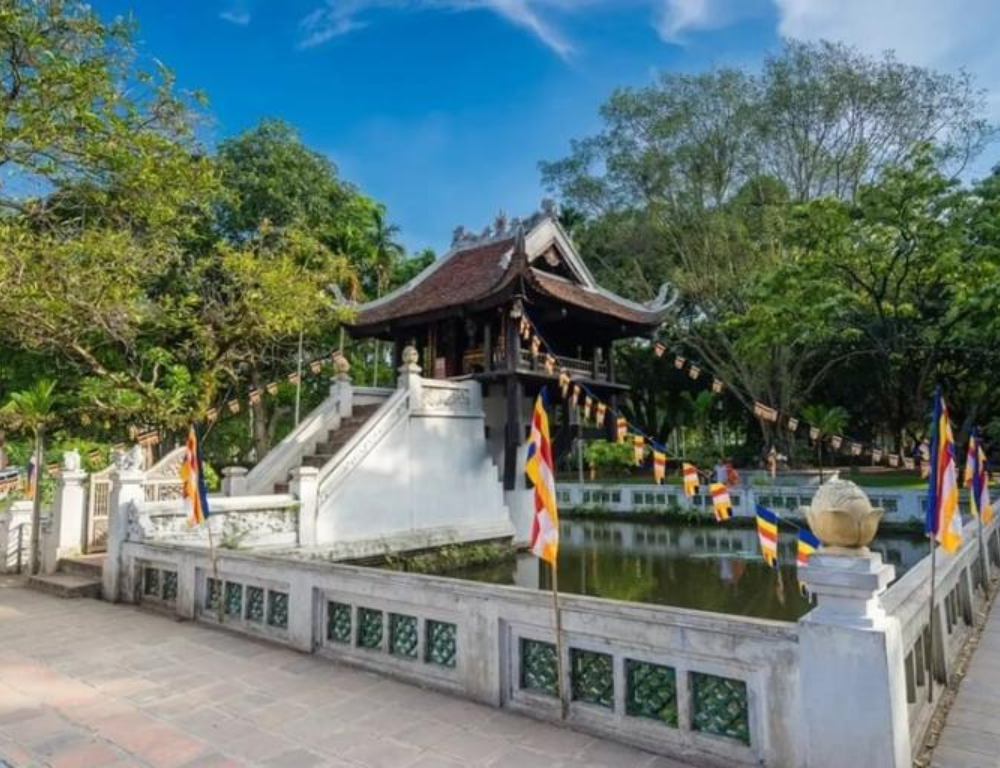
x=711, y=569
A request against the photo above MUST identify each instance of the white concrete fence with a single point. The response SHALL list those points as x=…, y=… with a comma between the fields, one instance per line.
x=845, y=685
x=900, y=504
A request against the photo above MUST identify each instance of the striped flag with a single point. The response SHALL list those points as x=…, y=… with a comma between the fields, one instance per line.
x=944, y=521
x=977, y=479
x=659, y=467
x=193, y=479
x=621, y=428
x=767, y=534
x=721, y=502
x=689, y=474
x=588, y=405
x=544, y=537
x=600, y=413
x=659, y=348
x=564, y=382
x=638, y=448
x=807, y=544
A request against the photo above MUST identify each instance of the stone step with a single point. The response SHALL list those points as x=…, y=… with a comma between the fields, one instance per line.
x=330, y=447
x=316, y=460
x=65, y=585
x=87, y=566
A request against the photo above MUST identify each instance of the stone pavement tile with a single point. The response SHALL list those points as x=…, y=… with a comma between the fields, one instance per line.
x=453, y=710
x=520, y=757
x=339, y=741
x=952, y=757
x=506, y=724
x=296, y=758
x=85, y=755
x=213, y=726
x=977, y=721
x=256, y=745
x=423, y=734
x=601, y=752
x=437, y=761
x=472, y=748
x=667, y=762
x=273, y=715
x=213, y=760
x=971, y=740
x=378, y=753
x=557, y=742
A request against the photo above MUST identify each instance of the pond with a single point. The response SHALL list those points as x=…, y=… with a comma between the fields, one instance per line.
x=716, y=569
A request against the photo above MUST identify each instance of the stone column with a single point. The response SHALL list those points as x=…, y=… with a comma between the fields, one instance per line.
x=234, y=481
x=305, y=487
x=69, y=516
x=342, y=388
x=126, y=489
x=852, y=676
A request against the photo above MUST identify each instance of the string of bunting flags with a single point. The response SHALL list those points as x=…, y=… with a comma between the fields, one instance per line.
x=767, y=520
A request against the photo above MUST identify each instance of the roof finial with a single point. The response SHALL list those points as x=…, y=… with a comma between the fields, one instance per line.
x=520, y=247
x=457, y=235
x=549, y=207
x=500, y=224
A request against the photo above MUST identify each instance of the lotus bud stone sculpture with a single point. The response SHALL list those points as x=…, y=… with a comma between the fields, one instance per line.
x=843, y=518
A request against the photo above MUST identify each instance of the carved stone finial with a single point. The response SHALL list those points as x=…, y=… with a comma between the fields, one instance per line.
x=843, y=518
x=71, y=461
x=458, y=235
x=410, y=355
x=130, y=460
x=342, y=366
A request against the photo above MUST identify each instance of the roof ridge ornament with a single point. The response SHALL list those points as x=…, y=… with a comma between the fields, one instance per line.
x=664, y=300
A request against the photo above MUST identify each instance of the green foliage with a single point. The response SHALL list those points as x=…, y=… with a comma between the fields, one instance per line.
x=610, y=458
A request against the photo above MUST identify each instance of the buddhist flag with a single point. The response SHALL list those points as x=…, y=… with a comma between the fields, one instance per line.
x=944, y=521
x=599, y=415
x=659, y=467
x=977, y=479
x=679, y=362
x=193, y=479
x=807, y=544
x=717, y=385
x=721, y=502
x=659, y=348
x=272, y=388
x=767, y=534
x=621, y=427
x=690, y=476
x=564, y=382
x=550, y=364
x=638, y=448
x=544, y=536
x=588, y=404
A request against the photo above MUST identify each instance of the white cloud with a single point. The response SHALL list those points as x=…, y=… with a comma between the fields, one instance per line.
x=934, y=33
x=673, y=19
x=338, y=17
x=240, y=18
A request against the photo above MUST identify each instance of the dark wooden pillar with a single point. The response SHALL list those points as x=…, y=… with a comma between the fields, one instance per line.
x=515, y=394
x=488, y=345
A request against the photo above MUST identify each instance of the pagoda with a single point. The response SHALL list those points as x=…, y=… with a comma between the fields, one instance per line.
x=464, y=315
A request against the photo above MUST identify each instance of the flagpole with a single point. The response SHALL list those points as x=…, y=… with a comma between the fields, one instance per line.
x=215, y=569
x=930, y=649
x=560, y=671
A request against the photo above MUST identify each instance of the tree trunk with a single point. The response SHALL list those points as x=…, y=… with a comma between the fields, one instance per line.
x=34, y=557
x=260, y=437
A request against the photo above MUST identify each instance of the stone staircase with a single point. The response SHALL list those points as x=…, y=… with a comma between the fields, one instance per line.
x=335, y=440
x=74, y=577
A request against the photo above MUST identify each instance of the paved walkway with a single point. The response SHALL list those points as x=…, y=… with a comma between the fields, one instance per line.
x=86, y=684
x=971, y=736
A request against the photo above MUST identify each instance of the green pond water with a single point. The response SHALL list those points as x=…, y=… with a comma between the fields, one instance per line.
x=709, y=568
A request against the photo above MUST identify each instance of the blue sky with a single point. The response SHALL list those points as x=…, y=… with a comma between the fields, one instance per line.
x=442, y=108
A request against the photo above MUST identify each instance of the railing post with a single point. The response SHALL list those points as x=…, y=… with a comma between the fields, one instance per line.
x=234, y=481
x=67, y=534
x=409, y=371
x=342, y=388
x=305, y=487
x=126, y=490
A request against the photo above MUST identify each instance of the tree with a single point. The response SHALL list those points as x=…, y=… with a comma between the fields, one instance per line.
x=32, y=412
x=829, y=421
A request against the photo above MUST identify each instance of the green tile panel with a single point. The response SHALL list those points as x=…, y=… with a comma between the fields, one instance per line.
x=170, y=586
x=651, y=691
x=441, y=643
x=369, y=628
x=151, y=582
x=277, y=609
x=338, y=622
x=719, y=706
x=255, y=604
x=592, y=676
x=234, y=598
x=539, y=671
x=403, y=635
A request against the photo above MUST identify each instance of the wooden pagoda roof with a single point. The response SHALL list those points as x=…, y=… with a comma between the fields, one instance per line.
x=478, y=273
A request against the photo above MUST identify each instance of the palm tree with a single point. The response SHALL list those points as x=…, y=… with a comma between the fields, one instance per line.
x=32, y=411
x=829, y=421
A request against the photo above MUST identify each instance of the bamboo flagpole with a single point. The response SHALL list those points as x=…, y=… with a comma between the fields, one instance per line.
x=544, y=538
x=930, y=643
x=195, y=492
